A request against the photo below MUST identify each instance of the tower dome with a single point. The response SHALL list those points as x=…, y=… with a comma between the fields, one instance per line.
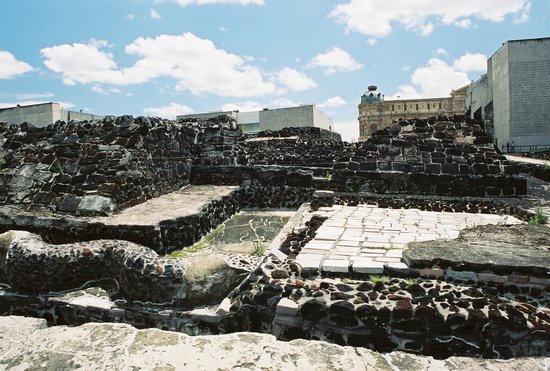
x=372, y=95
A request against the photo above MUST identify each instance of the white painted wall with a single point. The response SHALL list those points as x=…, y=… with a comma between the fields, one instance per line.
x=249, y=122
x=499, y=74
x=79, y=116
x=40, y=115
x=320, y=120
x=479, y=95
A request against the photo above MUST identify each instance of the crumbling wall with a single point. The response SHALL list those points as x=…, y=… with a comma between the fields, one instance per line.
x=89, y=168
x=428, y=157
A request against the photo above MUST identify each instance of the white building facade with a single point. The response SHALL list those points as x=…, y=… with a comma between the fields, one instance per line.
x=42, y=114
x=307, y=115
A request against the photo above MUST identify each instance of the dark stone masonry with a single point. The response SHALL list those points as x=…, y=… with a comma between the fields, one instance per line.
x=98, y=206
x=100, y=167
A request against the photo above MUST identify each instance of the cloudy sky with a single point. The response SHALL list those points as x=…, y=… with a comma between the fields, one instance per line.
x=169, y=57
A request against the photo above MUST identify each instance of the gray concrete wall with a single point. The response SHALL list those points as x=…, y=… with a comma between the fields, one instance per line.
x=479, y=95
x=79, y=116
x=249, y=122
x=320, y=120
x=500, y=77
x=529, y=62
x=39, y=115
x=208, y=115
x=277, y=119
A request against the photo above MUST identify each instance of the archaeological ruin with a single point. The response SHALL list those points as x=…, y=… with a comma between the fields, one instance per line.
x=423, y=244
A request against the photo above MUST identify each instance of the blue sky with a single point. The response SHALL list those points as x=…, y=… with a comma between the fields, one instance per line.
x=168, y=57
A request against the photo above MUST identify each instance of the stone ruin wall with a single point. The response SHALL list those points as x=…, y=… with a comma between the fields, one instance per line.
x=72, y=164
x=88, y=168
x=95, y=168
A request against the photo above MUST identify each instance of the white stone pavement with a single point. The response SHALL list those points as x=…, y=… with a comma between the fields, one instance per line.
x=366, y=238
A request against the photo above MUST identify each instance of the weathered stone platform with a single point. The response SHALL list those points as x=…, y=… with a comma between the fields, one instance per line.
x=167, y=223
x=188, y=201
x=519, y=252
x=26, y=343
x=366, y=239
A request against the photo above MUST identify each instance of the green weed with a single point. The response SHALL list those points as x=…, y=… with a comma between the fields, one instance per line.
x=538, y=218
x=380, y=279
x=411, y=281
x=259, y=249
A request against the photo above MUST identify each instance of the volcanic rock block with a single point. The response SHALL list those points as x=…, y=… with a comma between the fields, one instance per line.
x=34, y=266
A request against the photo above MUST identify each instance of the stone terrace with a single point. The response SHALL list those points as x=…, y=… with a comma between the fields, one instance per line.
x=366, y=239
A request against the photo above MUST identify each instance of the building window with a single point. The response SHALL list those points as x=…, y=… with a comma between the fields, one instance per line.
x=373, y=128
x=439, y=105
x=428, y=106
x=417, y=106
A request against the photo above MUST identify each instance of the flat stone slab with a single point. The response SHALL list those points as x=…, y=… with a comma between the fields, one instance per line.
x=25, y=343
x=522, y=248
x=383, y=234
x=184, y=202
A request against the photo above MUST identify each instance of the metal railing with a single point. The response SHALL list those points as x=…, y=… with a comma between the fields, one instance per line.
x=526, y=148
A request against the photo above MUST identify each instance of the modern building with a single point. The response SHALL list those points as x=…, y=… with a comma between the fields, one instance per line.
x=376, y=113
x=513, y=98
x=306, y=115
x=42, y=114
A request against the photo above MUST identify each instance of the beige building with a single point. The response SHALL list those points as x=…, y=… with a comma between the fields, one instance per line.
x=376, y=113
x=42, y=114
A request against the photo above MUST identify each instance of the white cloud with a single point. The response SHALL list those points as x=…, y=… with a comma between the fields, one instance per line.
x=100, y=43
x=196, y=65
x=349, y=130
x=438, y=78
x=247, y=106
x=28, y=96
x=223, y=29
x=372, y=41
x=464, y=23
x=471, y=62
x=105, y=91
x=153, y=14
x=335, y=101
x=169, y=112
x=442, y=51
x=251, y=106
x=335, y=60
x=82, y=63
x=405, y=67
x=208, y=2
x=295, y=80
x=130, y=17
x=282, y=102
x=10, y=67
x=423, y=15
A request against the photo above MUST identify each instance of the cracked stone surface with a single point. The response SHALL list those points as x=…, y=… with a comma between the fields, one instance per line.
x=524, y=248
x=184, y=202
x=26, y=343
x=242, y=233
